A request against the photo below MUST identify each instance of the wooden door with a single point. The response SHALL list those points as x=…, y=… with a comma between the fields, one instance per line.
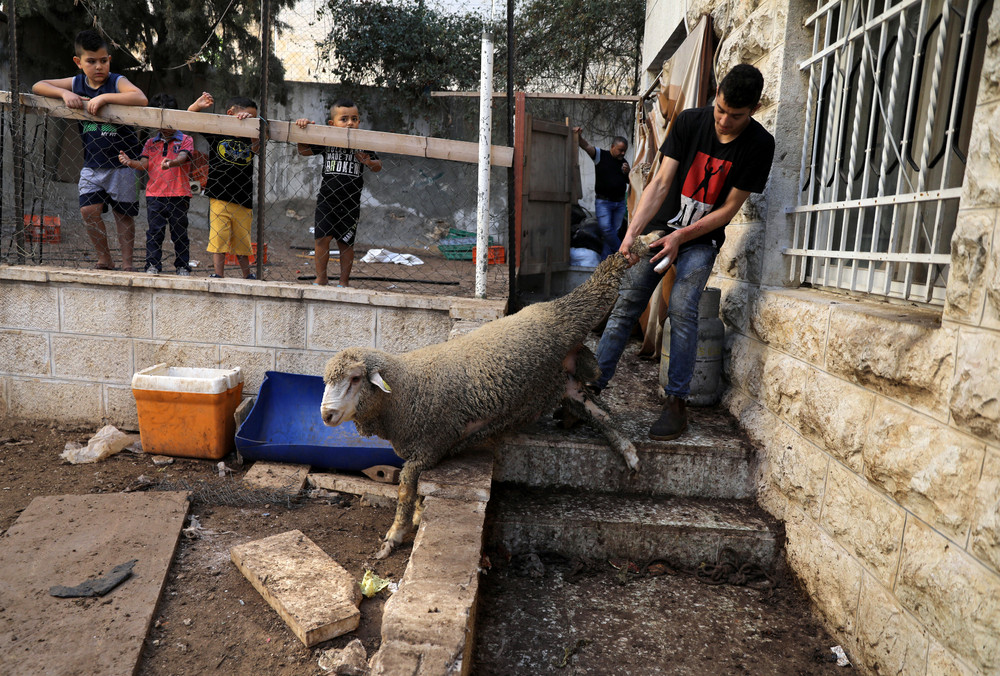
x=547, y=183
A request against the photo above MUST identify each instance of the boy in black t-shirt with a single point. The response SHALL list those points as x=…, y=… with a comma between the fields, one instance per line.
x=712, y=160
x=338, y=204
x=230, y=188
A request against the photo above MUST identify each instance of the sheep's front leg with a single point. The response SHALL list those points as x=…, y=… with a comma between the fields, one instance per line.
x=405, y=502
x=584, y=407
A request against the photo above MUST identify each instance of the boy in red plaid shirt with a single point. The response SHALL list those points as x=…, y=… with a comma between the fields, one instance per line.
x=167, y=158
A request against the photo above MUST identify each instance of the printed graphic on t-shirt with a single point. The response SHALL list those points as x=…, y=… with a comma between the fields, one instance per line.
x=701, y=189
x=235, y=151
x=104, y=129
x=341, y=162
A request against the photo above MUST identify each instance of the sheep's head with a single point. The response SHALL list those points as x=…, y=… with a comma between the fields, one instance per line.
x=348, y=377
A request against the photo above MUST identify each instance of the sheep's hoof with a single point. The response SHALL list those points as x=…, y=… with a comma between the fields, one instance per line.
x=386, y=549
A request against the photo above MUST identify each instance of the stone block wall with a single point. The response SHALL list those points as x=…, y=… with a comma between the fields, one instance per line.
x=877, y=425
x=70, y=340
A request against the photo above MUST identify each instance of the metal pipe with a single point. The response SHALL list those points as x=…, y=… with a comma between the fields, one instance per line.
x=485, y=137
x=511, y=196
x=265, y=48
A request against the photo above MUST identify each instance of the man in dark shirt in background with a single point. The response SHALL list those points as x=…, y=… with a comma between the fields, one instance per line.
x=610, y=180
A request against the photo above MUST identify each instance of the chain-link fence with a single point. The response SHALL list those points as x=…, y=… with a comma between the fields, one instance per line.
x=114, y=190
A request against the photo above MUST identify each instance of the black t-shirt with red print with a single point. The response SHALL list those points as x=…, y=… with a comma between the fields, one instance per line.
x=709, y=169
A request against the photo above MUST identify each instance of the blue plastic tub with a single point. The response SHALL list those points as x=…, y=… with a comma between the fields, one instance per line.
x=284, y=425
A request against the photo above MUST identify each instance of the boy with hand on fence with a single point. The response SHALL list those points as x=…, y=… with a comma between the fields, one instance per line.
x=338, y=204
x=103, y=181
x=230, y=187
x=167, y=158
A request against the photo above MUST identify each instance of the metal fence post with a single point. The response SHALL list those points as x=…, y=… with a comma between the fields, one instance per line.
x=265, y=48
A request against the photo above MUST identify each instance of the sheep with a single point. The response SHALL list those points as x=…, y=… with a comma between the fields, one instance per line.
x=434, y=402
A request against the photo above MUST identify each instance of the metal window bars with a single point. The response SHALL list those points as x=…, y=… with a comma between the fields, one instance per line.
x=892, y=88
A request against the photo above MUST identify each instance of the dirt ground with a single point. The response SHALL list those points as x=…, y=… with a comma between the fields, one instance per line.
x=210, y=619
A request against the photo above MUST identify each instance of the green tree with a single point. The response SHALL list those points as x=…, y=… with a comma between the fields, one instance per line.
x=560, y=45
x=586, y=46
x=173, y=42
x=403, y=45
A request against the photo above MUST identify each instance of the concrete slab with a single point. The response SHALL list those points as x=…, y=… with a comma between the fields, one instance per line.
x=64, y=540
x=682, y=531
x=315, y=596
x=435, y=603
x=466, y=477
x=279, y=477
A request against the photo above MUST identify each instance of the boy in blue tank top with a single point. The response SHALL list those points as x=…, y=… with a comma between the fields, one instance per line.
x=104, y=182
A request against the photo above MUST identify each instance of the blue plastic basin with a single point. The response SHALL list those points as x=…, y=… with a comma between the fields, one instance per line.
x=284, y=425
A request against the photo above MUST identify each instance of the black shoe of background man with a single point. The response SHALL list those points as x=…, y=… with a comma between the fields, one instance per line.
x=672, y=422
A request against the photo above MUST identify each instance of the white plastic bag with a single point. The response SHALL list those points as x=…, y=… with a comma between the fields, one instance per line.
x=108, y=441
x=386, y=256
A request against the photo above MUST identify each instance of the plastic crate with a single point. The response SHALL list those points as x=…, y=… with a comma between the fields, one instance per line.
x=37, y=229
x=496, y=255
x=459, y=248
x=231, y=258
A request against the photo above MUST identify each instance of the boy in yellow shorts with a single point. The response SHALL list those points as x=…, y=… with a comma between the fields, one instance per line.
x=230, y=187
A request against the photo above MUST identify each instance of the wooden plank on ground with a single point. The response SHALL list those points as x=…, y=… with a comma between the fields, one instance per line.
x=65, y=540
x=315, y=596
x=355, y=485
x=280, y=477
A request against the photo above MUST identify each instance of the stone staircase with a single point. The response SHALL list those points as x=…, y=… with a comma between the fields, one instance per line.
x=567, y=493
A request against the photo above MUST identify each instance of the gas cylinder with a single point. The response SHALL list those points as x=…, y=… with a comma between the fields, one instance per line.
x=706, y=381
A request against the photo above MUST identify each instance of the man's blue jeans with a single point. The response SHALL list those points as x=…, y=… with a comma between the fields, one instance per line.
x=609, y=218
x=694, y=265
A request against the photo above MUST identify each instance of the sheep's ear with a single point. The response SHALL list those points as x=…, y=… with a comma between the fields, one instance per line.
x=376, y=379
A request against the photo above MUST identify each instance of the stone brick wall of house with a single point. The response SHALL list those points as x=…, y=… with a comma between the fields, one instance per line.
x=878, y=425
x=71, y=340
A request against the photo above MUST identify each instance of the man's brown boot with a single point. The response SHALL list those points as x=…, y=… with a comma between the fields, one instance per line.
x=672, y=422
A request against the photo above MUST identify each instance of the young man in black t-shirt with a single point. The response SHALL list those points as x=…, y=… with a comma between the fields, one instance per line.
x=712, y=160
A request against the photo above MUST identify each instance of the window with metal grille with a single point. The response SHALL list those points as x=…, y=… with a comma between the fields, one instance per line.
x=892, y=90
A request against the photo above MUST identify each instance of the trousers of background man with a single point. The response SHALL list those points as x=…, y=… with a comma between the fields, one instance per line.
x=609, y=216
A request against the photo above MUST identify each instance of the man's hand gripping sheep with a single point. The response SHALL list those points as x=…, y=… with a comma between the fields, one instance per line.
x=439, y=400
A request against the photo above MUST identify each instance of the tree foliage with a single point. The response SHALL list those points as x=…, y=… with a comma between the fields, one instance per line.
x=173, y=41
x=560, y=45
x=587, y=46
x=404, y=45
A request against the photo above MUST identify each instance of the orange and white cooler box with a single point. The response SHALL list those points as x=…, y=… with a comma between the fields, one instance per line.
x=187, y=412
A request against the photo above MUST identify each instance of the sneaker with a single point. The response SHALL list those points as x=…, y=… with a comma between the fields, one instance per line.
x=152, y=270
x=215, y=276
x=672, y=421
x=251, y=276
x=184, y=272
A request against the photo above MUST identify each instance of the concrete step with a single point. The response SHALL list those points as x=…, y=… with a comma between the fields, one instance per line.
x=711, y=460
x=682, y=531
